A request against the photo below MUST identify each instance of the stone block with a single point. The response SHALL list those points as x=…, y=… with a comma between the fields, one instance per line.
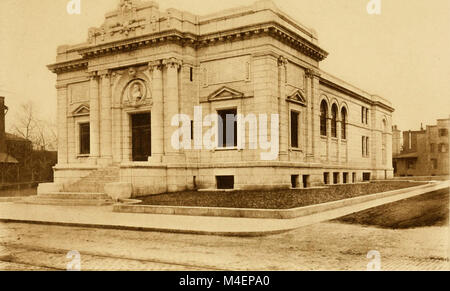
x=119, y=190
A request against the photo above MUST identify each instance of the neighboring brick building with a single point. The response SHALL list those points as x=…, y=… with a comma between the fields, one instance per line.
x=425, y=152
x=118, y=93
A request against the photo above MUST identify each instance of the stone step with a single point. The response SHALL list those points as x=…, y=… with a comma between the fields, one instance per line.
x=74, y=195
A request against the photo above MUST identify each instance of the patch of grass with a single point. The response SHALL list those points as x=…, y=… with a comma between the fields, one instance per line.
x=273, y=199
x=431, y=209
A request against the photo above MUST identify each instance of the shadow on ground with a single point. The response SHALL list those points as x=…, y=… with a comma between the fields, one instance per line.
x=427, y=210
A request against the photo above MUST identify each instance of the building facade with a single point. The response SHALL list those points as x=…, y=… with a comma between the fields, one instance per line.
x=119, y=93
x=424, y=152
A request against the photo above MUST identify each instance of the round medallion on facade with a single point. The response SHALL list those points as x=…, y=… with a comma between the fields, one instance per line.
x=137, y=93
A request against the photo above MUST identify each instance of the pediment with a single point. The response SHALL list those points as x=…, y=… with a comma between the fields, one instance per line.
x=225, y=93
x=298, y=97
x=81, y=110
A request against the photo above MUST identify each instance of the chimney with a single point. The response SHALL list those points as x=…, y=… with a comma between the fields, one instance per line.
x=3, y=109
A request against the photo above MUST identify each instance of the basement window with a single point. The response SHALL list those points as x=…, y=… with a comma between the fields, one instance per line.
x=326, y=178
x=225, y=182
x=366, y=177
x=294, y=181
x=305, y=181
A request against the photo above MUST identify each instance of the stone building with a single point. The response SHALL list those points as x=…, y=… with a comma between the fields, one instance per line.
x=119, y=91
x=425, y=152
x=7, y=162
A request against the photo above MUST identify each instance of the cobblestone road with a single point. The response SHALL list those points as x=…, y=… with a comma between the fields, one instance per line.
x=325, y=246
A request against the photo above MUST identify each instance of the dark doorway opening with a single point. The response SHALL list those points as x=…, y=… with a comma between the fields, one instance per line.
x=141, y=137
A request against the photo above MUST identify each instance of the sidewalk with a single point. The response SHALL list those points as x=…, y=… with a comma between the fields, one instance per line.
x=103, y=217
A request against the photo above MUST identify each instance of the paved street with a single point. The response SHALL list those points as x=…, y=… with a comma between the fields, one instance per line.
x=421, y=243
x=318, y=247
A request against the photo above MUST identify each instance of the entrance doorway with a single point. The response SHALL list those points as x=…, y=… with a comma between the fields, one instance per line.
x=141, y=137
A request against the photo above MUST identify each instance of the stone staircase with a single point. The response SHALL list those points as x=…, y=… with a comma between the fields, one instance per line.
x=88, y=191
x=95, y=182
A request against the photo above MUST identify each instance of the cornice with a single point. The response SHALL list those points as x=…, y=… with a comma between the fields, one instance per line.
x=348, y=92
x=271, y=29
x=68, y=66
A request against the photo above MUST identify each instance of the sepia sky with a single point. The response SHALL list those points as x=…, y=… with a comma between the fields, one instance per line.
x=401, y=54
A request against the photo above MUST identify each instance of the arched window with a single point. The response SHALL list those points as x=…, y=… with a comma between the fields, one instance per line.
x=334, y=112
x=344, y=123
x=323, y=118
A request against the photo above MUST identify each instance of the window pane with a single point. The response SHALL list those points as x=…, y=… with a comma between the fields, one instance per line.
x=227, y=128
x=334, y=121
x=294, y=129
x=323, y=118
x=344, y=124
x=84, y=139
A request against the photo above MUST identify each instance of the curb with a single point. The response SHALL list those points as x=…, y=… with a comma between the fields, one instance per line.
x=260, y=213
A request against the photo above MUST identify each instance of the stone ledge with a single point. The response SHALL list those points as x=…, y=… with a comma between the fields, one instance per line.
x=262, y=213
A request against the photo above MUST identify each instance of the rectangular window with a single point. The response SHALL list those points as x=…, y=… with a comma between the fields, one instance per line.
x=85, y=140
x=191, y=74
x=227, y=128
x=294, y=181
x=225, y=182
x=367, y=147
x=366, y=177
x=443, y=132
x=363, y=147
x=326, y=178
x=335, y=178
x=432, y=148
x=305, y=181
x=354, y=178
x=294, y=129
x=364, y=115
x=345, y=178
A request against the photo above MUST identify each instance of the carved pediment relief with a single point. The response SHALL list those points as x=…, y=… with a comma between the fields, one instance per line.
x=225, y=93
x=298, y=97
x=81, y=110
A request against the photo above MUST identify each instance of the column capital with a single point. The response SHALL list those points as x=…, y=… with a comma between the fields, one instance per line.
x=157, y=64
x=172, y=63
x=312, y=72
x=104, y=73
x=93, y=75
x=282, y=61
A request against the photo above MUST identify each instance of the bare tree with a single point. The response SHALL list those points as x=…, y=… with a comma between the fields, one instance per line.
x=30, y=126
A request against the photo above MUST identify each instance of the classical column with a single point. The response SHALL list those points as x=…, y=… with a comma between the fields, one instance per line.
x=309, y=116
x=62, y=125
x=106, y=118
x=94, y=119
x=313, y=76
x=171, y=106
x=157, y=112
x=283, y=110
x=339, y=139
